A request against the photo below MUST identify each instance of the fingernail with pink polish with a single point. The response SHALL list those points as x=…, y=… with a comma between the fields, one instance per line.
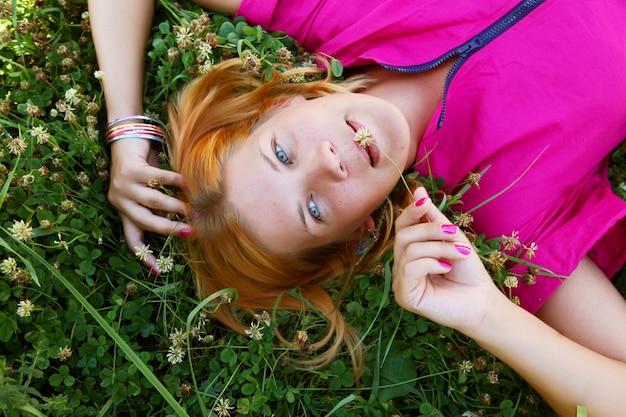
x=445, y=264
x=155, y=270
x=463, y=250
x=420, y=202
x=184, y=233
x=449, y=229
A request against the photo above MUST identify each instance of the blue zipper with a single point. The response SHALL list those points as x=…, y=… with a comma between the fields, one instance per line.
x=467, y=49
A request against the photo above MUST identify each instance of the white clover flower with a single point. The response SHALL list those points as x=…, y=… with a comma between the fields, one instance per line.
x=17, y=146
x=175, y=355
x=255, y=331
x=21, y=231
x=25, y=308
x=65, y=353
x=364, y=137
x=40, y=134
x=204, y=50
x=511, y=281
x=183, y=37
x=178, y=338
x=8, y=266
x=99, y=75
x=165, y=264
x=466, y=366
x=222, y=407
x=71, y=96
x=143, y=252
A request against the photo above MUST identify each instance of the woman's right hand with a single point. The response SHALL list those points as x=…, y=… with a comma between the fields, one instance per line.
x=134, y=191
x=436, y=272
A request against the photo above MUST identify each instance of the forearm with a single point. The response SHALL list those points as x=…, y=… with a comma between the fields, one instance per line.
x=120, y=31
x=566, y=374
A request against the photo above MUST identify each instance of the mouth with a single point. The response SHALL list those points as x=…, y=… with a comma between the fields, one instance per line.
x=371, y=153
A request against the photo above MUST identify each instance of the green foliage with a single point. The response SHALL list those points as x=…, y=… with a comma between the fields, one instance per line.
x=87, y=331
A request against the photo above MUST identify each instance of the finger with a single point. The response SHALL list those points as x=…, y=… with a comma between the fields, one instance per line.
x=156, y=200
x=148, y=221
x=441, y=250
x=164, y=226
x=164, y=177
x=134, y=241
x=413, y=213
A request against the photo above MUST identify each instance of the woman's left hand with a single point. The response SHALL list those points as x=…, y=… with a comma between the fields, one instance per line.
x=436, y=272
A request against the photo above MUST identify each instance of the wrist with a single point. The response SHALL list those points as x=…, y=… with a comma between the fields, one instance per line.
x=498, y=316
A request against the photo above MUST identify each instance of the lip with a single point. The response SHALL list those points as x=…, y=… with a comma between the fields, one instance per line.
x=370, y=153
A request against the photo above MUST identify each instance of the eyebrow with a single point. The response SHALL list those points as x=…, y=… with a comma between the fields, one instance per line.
x=299, y=209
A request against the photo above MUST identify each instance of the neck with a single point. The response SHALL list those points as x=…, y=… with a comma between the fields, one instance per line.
x=416, y=95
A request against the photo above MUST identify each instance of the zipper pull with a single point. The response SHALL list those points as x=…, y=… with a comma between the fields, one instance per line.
x=469, y=47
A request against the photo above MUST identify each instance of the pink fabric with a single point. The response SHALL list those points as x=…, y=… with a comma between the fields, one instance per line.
x=542, y=106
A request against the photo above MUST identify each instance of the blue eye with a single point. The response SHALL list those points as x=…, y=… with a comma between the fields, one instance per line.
x=281, y=155
x=315, y=212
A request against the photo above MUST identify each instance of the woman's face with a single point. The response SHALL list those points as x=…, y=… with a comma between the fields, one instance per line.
x=301, y=181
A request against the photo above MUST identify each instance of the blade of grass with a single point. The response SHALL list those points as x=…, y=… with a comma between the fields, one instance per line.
x=341, y=403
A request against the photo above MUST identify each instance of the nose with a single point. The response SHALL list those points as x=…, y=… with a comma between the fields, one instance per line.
x=326, y=162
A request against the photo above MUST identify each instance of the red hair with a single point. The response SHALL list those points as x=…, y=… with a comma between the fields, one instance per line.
x=210, y=118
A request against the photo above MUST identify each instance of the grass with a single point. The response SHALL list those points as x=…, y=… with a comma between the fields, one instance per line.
x=97, y=335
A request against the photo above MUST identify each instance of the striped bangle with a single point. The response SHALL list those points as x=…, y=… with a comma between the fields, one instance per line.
x=145, y=127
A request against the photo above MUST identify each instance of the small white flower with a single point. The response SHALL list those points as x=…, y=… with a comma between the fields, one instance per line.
x=65, y=353
x=25, y=308
x=71, y=96
x=204, y=50
x=40, y=134
x=8, y=266
x=143, y=252
x=222, y=407
x=178, y=338
x=255, y=331
x=466, y=366
x=21, y=231
x=364, y=137
x=175, y=355
x=165, y=264
x=98, y=74
x=17, y=146
x=511, y=281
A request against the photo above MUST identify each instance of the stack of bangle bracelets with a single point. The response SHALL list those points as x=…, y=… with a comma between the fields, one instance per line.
x=138, y=126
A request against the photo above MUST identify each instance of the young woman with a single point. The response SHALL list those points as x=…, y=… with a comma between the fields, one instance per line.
x=463, y=87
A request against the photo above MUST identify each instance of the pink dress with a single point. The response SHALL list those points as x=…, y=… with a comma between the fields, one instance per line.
x=541, y=105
